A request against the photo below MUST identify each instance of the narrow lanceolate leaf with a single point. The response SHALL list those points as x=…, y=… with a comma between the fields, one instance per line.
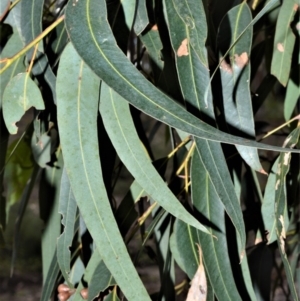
x=235, y=77
x=215, y=252
x=193, y=16
x=20, y=94
x=191, y=57
x=194, y=77
x=291, y=96
x=109, y=63
x=284, y=42
x=67, y=208
x=50, y=279
x=213, y=159
x=13, y=45
x=141, y=20
x=281, y=204
x=33, y=11
x=120, y=128
x=77, y=108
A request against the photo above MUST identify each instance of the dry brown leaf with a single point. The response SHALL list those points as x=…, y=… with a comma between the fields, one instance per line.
x=183, y=48
x=280, y=47
x=241, y=60
x=198, y=289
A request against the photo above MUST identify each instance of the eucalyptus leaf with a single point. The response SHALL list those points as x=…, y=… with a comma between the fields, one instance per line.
x=78, y=134
x=20, y=94
x=110, y=64
x=119, y=125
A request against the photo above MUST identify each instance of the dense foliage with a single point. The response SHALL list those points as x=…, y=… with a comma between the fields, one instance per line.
x=144, y=128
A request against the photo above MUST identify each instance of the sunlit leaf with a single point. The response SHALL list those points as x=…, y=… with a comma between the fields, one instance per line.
x=77, y=118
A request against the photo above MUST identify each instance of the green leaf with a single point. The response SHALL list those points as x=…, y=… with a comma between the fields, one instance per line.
x=50, y=279
x=4, y=5
x=141, y=20
x=194, y=78
x=193, y=16
x=112, y=296
x=268, y=206
x=33, y=10
x=284, y=42
x=68, y=209
x=281, y=205
x=215, y=251
x=235, y=77
x=13, y=45
x=110, y=64
x=77, y=108
x=291, y=96
x=20, y=94
x=120, y=128
x=49, y=203
x=100, y=280
x=213, y=159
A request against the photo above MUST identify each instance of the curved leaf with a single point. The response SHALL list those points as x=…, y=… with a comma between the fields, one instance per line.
x=109, y=63
x=77, y=110
x=20, y=94
x=120, y=128
x=215, y=252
